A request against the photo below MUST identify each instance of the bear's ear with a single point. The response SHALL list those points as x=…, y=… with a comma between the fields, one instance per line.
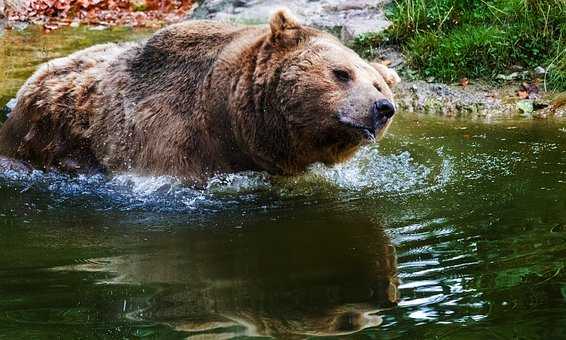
x=389, y=75
x=281, y=21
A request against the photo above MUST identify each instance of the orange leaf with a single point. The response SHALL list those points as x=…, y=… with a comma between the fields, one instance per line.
x=523, y=94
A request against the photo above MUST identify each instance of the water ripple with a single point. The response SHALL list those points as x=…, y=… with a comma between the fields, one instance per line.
x=368, y=172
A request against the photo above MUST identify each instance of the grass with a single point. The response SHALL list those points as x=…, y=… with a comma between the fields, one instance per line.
x=452, y=39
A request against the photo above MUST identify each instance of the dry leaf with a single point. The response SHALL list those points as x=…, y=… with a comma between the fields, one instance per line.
x=528, y=91
x=522, y=94
x=53, y=14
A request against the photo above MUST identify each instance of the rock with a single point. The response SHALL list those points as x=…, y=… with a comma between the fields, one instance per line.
x=345, y=19
x=539, y=71
x=446, y=100
x=511, y=76
x=541, y=103
x=525, y=106
x=475, y=101
x=10, y=105
x=98, y=28
x=17, y=25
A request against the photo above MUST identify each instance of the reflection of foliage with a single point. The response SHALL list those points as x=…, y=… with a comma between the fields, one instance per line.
x=56, y=13
x=511, y=277
x=534, y=275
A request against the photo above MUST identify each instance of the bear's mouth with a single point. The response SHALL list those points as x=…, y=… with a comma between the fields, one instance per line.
x=368, y=133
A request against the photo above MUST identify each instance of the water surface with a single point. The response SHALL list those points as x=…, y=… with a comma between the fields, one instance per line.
x=446, y=229
x=21, y=52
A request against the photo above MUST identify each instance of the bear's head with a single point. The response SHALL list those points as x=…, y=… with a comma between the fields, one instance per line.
x=323, y=100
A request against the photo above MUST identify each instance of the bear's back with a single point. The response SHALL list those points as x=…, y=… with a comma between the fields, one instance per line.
x=178, y=58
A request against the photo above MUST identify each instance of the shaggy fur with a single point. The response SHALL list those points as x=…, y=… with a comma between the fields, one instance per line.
x=198, y=98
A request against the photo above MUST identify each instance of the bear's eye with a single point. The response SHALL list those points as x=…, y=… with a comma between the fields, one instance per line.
x=342, y=75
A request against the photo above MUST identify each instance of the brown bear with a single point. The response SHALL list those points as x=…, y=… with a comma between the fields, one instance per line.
x=199, y=98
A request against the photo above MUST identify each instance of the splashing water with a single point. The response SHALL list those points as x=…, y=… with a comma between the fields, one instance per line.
x=380, y=174
x=367, y=171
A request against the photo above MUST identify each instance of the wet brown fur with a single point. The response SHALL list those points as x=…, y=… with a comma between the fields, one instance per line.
x=197, y=98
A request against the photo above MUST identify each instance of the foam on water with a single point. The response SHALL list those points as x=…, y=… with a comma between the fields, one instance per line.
x=386, y=174
x=367, y=171
x=122, y=191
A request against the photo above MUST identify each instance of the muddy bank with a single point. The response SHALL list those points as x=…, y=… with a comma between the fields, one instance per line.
x=477, y=101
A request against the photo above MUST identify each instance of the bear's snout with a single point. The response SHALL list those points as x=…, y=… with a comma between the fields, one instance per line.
x=381, y=111
x=370, y=121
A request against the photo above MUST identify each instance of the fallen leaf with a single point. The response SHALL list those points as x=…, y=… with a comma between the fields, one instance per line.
x=529, y=91
x=522, y=94
x=52, y=14
x=558, y=102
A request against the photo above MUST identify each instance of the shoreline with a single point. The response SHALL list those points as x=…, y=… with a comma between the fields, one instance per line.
x=474, y=101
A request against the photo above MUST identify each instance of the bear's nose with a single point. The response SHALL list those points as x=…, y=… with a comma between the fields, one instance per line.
x=382, y=110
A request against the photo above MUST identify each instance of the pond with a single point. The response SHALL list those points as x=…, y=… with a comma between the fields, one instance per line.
x=448, y=228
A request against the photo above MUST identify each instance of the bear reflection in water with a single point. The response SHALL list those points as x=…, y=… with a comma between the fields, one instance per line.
x=295, y=279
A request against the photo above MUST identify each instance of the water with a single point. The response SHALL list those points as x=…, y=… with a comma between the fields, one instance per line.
x=21, y=52
x=464, y=222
